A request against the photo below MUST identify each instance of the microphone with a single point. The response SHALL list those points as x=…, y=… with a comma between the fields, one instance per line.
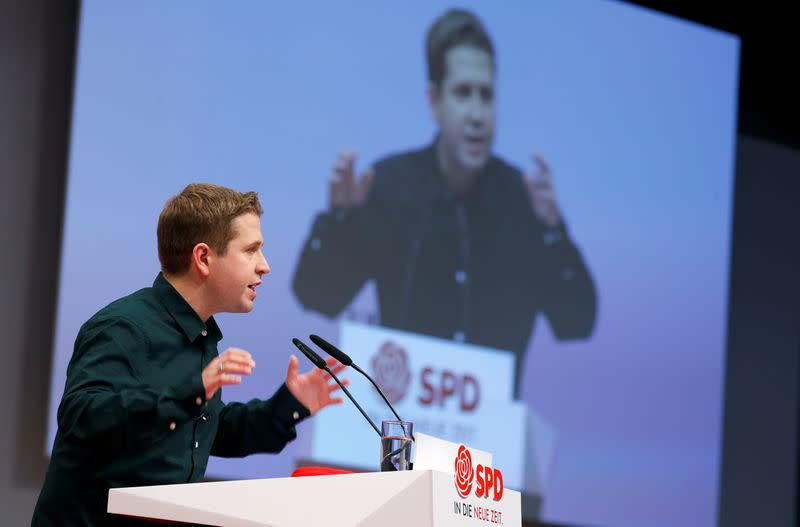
x=345, y=359
x=320, y=363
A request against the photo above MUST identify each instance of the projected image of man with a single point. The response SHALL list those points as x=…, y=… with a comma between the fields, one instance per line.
x=461, y=244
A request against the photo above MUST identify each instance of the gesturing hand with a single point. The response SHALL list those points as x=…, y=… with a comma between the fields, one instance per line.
x=228, y=368
x=345, y=189
x=540, y=190
x=313, y=389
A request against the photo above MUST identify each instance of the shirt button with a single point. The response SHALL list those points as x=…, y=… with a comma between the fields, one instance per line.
x=204, y=332
x=458, y=336
x=461, y=277
x=296, y=416
x=315, y=244
x=196, y=444
x=199, y=401
x=172, y=425
x=567, y=274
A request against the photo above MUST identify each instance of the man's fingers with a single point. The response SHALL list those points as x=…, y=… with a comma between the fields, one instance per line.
x=294, y=365
x=339, y=193
x=236, y=352
x=335, y=189
x=540, y=163
x=220, y=380
x=344, y=165
x=542, y=170
x=331, y=362
x=229, y=366
x=544, y=194
x=227, y=378
x=226, y=369
x=337, y=367
x=342, y=170
x=238, y=361
x=349, y=154
x=232, y=367
x=533, y=184
x=334, y=365
x=237, y=356
x=335, y=386
x=345, y=188
x=536, y=184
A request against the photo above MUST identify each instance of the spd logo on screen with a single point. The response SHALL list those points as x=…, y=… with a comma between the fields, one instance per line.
x=391, y=371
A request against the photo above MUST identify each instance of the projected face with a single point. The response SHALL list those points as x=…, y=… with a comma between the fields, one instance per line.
x=235, y=276
x=463, y=106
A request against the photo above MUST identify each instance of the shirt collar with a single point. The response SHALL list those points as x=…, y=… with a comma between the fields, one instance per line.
x=436, y=184
x=180, y=310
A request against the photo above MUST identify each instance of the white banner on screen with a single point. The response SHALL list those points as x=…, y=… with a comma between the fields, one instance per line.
x=461, y=393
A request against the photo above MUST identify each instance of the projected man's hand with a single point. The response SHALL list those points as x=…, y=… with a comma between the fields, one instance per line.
x=346, y=190
x=540, y=190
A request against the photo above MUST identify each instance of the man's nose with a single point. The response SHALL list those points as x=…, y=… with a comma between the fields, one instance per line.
x=263, y=266
x=477, y=109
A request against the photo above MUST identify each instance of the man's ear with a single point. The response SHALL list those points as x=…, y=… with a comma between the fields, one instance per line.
x=201, y=254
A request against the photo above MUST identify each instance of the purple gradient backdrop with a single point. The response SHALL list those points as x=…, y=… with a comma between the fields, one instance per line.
x=634, y=111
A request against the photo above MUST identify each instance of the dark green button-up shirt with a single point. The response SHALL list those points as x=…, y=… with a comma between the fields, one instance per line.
x=134, y=410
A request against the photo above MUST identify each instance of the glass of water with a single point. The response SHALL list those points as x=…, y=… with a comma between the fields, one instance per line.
x=397, y=440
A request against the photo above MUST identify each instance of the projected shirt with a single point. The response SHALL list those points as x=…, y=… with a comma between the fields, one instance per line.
x=475, y=268
x=134, y=410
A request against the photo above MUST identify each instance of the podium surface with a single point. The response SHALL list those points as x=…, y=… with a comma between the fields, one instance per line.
x=386, y=499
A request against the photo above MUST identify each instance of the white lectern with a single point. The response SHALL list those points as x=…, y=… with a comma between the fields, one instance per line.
x=425, y=498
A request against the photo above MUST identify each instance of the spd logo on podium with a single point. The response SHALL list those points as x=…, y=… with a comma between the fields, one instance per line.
x=488, y=480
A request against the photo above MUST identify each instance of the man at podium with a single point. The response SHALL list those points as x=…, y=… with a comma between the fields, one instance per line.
x=460, y=244
x=142, y=402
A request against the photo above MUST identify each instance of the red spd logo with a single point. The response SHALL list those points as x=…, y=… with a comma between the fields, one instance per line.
x=391, y=372
x=464, y=472
x=489, y=480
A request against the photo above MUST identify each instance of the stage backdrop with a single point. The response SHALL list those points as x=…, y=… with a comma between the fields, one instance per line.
x=634, y=111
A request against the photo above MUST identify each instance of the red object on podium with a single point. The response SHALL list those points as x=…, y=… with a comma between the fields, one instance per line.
x=318, y=471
